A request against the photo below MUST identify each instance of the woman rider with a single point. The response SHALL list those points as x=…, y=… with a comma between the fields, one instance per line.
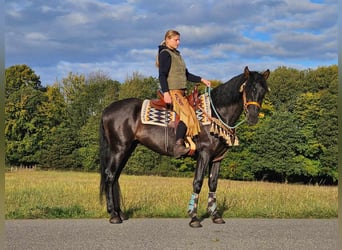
x=173, y=76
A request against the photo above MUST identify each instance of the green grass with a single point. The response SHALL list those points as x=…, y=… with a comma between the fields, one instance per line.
x=53, y=194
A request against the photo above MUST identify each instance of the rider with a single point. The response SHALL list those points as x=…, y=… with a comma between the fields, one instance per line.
x=173, y=76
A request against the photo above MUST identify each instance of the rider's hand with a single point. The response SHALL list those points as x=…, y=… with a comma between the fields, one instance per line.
x=206, y=82
x=167, y=98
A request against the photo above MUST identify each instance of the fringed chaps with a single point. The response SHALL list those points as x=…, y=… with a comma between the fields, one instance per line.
x=186, y=113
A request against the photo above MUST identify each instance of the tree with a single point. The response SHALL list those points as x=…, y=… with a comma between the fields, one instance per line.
x=320, y=79
x=60, y=149
x=99, y=91
x=84, y=100
x=298, y=139
x=317, y=111
x=285, y=84
x=139, y=87
x=53, y=108
x=18, y=76
x=24, y=127
x=103, y=89
x=55, y=119
x=57, y=126
x=276, y=144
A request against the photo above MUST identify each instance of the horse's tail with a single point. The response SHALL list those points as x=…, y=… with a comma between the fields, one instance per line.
x=103, y=155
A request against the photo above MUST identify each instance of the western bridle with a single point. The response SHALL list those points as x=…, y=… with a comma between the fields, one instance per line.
x=245, y=106
x=244, y=98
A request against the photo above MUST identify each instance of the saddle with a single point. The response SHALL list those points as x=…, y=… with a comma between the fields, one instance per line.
x=193, y=99
x=157, y=112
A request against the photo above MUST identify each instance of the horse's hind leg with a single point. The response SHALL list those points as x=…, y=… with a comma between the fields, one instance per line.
x=113, y=195
x=119, y=124
x=107, y=181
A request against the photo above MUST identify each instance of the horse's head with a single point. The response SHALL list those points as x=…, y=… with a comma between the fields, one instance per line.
x=253, y=92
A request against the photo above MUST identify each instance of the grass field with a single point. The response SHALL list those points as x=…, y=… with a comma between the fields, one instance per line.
x=53, y=194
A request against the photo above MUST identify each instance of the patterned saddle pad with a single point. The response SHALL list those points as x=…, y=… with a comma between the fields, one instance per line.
x=153, y=116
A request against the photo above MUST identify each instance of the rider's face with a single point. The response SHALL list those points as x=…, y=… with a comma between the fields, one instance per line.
x=173, y=42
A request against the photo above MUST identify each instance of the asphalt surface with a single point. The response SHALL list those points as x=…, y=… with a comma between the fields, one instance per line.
x=139, y=234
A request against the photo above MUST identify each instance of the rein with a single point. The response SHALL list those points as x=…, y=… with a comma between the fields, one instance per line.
x=245, y=105
x=218, y=116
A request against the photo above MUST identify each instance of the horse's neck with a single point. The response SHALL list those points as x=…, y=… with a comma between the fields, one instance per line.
x=228, y=103
x=230, y=114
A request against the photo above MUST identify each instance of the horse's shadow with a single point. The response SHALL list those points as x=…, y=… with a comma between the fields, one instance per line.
x=131, y=211
x=224, y=206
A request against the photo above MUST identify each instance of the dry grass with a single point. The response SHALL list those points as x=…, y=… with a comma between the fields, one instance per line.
x=52, y=194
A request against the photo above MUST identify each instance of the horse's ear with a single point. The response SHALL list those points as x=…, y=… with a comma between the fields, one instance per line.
x=246, y=72
x=266, y=74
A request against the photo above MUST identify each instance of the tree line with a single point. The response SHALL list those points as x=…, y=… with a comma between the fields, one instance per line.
x=56, y=126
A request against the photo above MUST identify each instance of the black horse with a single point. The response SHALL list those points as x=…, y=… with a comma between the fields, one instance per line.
x=121, y=130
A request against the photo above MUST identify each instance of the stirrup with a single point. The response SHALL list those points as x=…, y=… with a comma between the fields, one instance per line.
x=189, y=143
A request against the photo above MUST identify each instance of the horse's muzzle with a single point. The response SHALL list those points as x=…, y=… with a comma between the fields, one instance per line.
x=252, y=117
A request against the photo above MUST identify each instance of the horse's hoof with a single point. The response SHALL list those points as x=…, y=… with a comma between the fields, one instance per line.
x=218, y=220
x=115, y=220
x=195, y=223
x=123, y=216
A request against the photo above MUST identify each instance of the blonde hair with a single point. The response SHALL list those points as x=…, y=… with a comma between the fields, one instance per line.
x=169, y=34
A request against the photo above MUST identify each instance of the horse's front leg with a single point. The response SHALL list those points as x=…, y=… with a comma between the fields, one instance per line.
x=212, y=183
x=201, y=166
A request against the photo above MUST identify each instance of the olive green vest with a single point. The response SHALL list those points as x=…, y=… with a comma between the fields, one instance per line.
x=177, y=73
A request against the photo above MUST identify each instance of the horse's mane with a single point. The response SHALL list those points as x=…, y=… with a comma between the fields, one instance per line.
x=228, y=92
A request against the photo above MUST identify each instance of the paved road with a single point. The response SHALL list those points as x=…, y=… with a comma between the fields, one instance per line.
x=241, y=234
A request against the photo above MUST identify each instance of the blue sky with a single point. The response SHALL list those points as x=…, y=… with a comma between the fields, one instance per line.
x=218, y=38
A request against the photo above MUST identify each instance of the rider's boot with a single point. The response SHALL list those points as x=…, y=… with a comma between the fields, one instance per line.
x=180, y=149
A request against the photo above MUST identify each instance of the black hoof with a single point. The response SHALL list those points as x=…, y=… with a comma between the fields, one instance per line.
x=218, y=220
x=195, y=223
x=123, y=216
x=115, y=220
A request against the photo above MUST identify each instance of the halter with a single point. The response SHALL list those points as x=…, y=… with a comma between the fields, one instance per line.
x=245, y=106
x=245, y=103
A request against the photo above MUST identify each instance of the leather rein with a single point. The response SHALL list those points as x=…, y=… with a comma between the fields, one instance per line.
x=245, y=106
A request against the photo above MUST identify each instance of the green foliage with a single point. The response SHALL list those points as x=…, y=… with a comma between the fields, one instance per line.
x=139, y=87
x=184, y=165
x=57, y=126
x=24, y=123
x=46, y=212
x=285, y=83
x=99, y=91
x=89, y=146
x=142, y=161
x=74, y=142
x=19, y=76
x=297, y=139
x=60, y=150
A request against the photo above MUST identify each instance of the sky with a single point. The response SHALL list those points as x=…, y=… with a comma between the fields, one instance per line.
x=218, y=38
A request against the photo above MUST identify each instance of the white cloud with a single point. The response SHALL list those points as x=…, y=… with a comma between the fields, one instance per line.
x=76, y=18
x=36, y=36
x=218, y=38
